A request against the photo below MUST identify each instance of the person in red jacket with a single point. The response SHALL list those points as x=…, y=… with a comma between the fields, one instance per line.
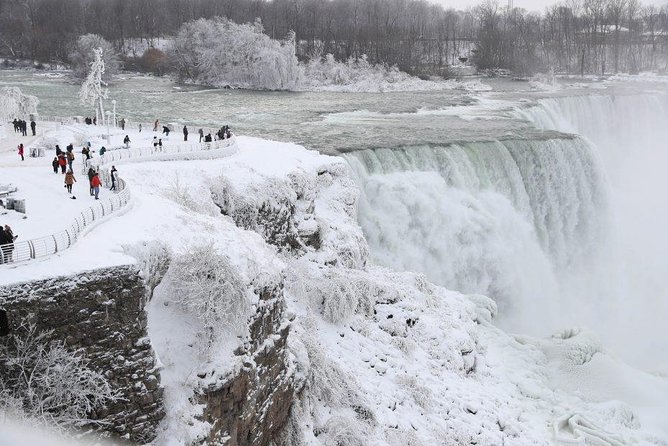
x=21, y=151
x=96, y=183
x=62, y=162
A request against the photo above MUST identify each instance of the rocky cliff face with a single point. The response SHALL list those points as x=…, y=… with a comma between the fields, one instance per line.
x=252, y=406
x=101, y=312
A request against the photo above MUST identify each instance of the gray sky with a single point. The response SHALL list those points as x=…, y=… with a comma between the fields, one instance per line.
x=531, y=5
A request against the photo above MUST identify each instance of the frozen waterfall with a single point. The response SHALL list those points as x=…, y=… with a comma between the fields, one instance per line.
x=560, y=232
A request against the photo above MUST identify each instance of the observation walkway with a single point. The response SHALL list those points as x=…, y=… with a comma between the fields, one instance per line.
x=26, y=250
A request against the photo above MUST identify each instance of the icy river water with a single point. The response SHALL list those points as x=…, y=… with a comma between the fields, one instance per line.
x=552, y=203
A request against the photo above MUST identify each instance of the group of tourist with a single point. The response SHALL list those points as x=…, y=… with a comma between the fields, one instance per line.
x=21, y=126
x=223, y=133
x=62, y=159
x=63, y=162
x=7, y=239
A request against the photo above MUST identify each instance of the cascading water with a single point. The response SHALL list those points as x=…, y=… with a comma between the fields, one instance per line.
x=534, y=224
x=515, y=220
x=630, y=134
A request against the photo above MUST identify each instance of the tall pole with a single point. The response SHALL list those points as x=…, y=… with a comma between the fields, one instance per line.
x=113, y=102
x=108, y=134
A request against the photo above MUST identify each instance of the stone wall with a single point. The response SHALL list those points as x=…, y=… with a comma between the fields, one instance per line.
x=101, y=312
x=252, y=407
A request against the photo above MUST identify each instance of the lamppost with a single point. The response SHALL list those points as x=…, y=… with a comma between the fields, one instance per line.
x=113, y=102
x=108, y=135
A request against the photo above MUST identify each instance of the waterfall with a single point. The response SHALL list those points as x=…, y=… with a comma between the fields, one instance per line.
x=560, y=232
x=515, y=220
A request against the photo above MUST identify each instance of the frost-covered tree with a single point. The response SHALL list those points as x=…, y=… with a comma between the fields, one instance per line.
x=209, y=286
x=83, y=55
x=219, y=52
x=42, y=380
x=92, y=90
x=15, y=104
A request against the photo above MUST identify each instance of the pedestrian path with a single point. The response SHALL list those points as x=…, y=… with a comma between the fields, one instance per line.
x=46, y=191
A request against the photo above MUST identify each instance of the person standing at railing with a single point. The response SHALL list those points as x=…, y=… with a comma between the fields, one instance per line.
x=160, y=144
x=7, y=239
x=102, y=150
x=69, y=181
x=33, y=126
x=122, y=123
x=113, y=175
x=126, y=141
x=91, y=174
x=96, y=183
x=155, y=126
x=201, y=135
x=140, y=127
x=185, y=133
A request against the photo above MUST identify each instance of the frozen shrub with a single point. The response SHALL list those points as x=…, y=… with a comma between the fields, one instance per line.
x=43, y=380
x=340, y=431
x=337, y=292
x=326, y=382
x=206, y=284
x=153, y=259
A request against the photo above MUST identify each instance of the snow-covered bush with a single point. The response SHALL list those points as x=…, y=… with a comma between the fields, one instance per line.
x=15, y=104
x=43, y=380
x=327, y=71
x=82, y=56
x=207, y=285
x=336, y=292
x=196, y=198
x=266, y=207
x=348, y=431
x=326, y=382
x=358, y=74
x=153, y=258
x=219, y=52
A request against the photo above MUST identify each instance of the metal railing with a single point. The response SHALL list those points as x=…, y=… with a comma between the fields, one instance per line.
x=121, y=154
x=21, y=251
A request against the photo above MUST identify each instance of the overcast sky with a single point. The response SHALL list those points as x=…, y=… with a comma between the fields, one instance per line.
x=531, y=5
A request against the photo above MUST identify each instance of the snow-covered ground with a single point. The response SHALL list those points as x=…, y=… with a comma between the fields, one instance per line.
x=387, y=357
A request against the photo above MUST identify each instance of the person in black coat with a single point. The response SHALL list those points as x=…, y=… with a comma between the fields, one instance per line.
x=7, y=238
x=91, y=174
x=185, y=133
x=33, y=126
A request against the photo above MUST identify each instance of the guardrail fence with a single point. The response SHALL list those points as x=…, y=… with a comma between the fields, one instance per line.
x=21, y=251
